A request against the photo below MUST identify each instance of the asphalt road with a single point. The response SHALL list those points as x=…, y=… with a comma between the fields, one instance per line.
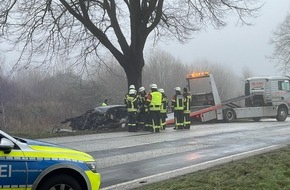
x=128, y=160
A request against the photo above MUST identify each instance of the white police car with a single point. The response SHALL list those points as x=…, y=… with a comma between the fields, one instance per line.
x=33, y=165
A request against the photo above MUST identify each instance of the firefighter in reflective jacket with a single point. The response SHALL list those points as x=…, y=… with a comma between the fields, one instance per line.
x=154, y=100
x=177, y=104
x=163, y=110
x=186, y=111
x=131, y=87
x=132, y=105
x=142, y=113
x=105, y=103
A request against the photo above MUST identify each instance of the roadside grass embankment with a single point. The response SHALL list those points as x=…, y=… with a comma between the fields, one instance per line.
x=268, y=171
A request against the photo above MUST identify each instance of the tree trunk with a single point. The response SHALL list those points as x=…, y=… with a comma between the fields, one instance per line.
x=133, y=67
x=133, y=70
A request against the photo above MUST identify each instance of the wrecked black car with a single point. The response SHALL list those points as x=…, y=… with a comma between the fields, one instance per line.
x=100, y=118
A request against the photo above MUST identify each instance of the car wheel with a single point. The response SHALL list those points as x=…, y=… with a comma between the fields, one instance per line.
x=60, y=182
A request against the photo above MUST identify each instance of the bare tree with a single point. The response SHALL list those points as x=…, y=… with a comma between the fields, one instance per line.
x=281, y=41
x=246, y=73
x=164, y=70
x=55, y=30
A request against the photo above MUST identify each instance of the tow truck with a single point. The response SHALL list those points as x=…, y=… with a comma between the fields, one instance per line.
x=265, y=97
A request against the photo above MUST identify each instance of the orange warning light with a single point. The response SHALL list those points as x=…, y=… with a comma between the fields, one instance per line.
x=197, y=75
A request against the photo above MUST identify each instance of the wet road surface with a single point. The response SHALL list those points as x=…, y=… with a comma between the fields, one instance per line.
x=127, y=160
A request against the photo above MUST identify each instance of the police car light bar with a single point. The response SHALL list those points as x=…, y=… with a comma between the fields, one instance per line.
x=197, y=75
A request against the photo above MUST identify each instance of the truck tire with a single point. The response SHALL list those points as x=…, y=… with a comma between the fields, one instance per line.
x=60, y=181
x=229, y=115
x=282, y=114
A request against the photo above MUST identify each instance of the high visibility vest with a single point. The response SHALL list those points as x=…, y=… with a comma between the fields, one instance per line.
x=179, y=102
x=104, y=104
x=164, y=104
x=131, y=103
x=187, y=103
x=156, y=101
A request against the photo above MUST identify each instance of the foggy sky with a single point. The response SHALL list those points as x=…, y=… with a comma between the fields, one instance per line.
x=236, y=46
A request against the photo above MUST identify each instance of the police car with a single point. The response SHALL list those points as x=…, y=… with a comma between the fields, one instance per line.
x=33, y=165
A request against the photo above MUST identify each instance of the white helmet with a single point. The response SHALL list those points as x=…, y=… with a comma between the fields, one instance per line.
x=132, y=86
x=178, y=89
x=161, y=90
x=141, y=89
x=153, y=86
x=132, y=91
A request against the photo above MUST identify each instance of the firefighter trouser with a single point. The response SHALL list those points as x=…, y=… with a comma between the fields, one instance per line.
x=163, y=117
x=147, y=120
x=155, y=118
x=186, y=123
x=132, y=126
x=178, y=118
x=141, y=119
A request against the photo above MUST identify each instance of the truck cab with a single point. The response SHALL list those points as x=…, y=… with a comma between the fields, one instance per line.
x=267, y=91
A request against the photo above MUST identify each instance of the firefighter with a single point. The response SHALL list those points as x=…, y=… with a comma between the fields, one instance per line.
x=105, y=103
x=186, y=111
x=131, y=87
x=177, y=104
x=141, y=117
x=132, y=105
x=163, y=110
x=154, y=100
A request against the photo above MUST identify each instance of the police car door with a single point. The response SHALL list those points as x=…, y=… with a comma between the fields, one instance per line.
x=13, y=172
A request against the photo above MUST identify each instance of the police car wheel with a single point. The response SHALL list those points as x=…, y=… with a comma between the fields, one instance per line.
x=60, y=182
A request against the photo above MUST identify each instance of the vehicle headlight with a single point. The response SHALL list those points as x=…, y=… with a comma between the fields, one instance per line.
x=92, y=166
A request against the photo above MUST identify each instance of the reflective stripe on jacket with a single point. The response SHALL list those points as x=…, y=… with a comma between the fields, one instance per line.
x=179, y=102
x=187, y=103
x=164, y=104
x=131, y=103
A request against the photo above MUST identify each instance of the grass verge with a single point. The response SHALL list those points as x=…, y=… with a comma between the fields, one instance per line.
x=269, y=171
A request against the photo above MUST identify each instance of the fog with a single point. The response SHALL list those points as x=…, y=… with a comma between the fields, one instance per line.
x=236, y=46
